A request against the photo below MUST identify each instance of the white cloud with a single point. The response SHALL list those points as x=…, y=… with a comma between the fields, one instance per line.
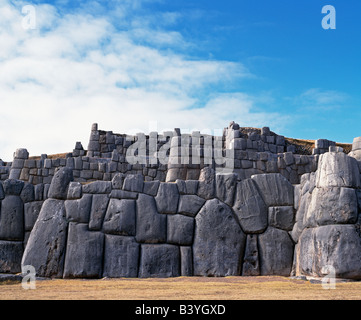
x=78, y=68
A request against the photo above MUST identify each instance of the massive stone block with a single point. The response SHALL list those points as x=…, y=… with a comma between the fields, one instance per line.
x=250, y=207
x=186, y=261
x=167, y=198
x=206, y=185
x=219, y=241
x=11, y=253
x=251, y=260
x=159, y=261
x=31, y=213
x=190, y=205
x=338, y=246
x=12, y=218
x=79, y=210
x=151, y=226
x=120, y=217
x=97, y=187
x=98, y=209
x=133, y=182
x=180, y=229
x=60, y=182
x=121, y=257
x=275, y=252
x=337, y=170
x=45, y=248
x=332, y=206
x=281, y=217
x=275, y=189
x=13, y=187
x=225, y=187
x=84, y=252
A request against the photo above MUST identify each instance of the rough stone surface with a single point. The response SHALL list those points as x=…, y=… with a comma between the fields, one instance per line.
x=60, y=182
x=79, y=210
x=12, y=218
x=151, y=187
x=218, y=243
x=98, y=209
x=332, y=206
x=281, y=217
x=180, y=230
x=225, y=187
x=190, y=205
x=121, y=256
x=151, y=226
x=13, y=187
x=159, y=261
x=250, y=207
x=275, y=252
x=46, y=245
x=120, y=217
x=206, y=185
x=186, y=261
x=74, y=190
x=84, y=252
x=10, y=256
x=27, y=193
x=31, y=213
x=251, y=260
x=133, y=182
x=337, y=170
x=338, y=246
x=97, y=187
x=167, y=198
x=275, y=189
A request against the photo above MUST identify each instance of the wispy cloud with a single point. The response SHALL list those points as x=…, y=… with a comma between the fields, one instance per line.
x=317, y=99
x=82, y=65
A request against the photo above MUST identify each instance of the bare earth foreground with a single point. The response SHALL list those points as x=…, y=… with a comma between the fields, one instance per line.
x=183, y=288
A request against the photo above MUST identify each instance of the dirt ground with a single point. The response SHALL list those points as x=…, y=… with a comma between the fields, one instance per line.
x=183, y=288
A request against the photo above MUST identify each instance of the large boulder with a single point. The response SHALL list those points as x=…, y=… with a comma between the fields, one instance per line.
x=121, y=256
x=159, y=261
x=332, y=205
x=60, y=182
x=84, y=252
x=120, y=217
x=219, y=241
x=10, y=256
x=275, y=252
x=98, y=210
x=180, y=229
x=338, y=246
x=151, y=226
x=225, y=187
x=189, y=205
x=275, y=189
x=250, y=208
x=79, y=210
x=206, y=185
x=167, y=198
x=45, y=248
x=12, y=218
x=336, y=169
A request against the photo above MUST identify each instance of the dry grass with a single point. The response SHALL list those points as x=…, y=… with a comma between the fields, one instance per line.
x=194, y=288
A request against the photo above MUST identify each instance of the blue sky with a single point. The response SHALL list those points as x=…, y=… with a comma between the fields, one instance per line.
x=143, y=65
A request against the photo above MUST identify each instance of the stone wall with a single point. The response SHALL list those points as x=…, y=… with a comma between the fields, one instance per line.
x=252, y=151
x=220, y=223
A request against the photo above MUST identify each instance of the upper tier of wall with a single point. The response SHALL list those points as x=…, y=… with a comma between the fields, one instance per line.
x=171, y=155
